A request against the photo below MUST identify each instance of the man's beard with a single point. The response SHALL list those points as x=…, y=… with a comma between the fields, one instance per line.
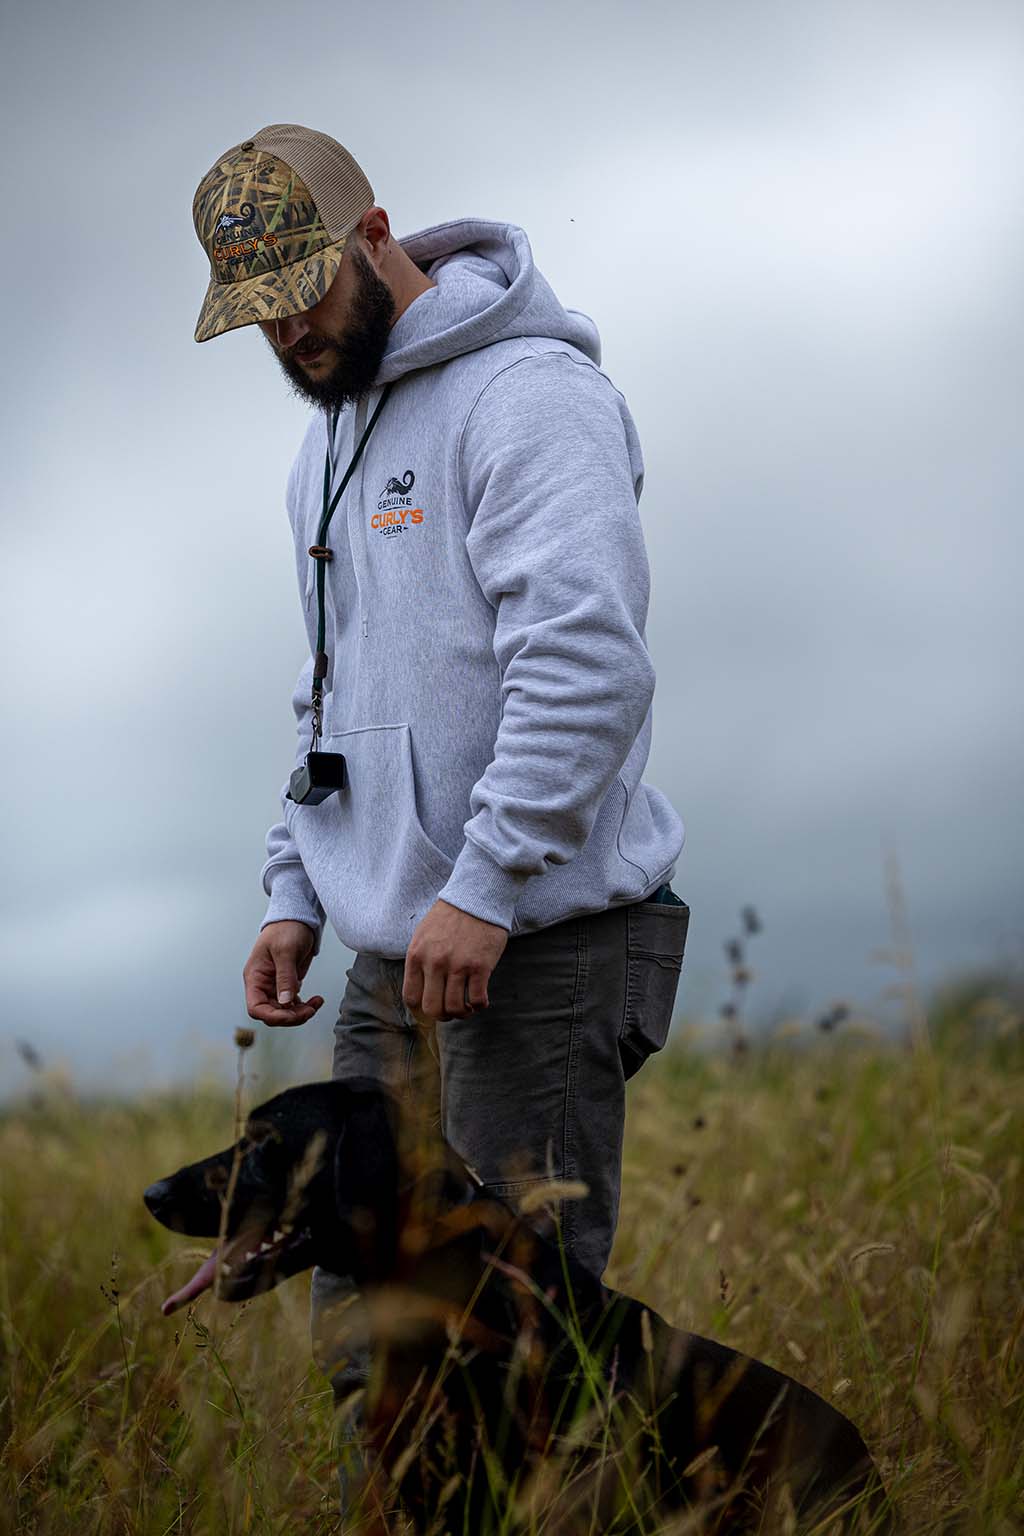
x=357, y=354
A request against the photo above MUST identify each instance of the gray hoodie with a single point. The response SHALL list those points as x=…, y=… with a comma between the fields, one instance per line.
x=491, y=686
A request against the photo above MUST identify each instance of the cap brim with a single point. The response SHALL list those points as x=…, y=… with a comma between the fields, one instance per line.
x=271, y=295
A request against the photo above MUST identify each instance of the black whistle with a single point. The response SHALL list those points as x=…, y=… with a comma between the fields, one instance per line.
x=319, y=777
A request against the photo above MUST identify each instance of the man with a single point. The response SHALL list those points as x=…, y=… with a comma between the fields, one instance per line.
x=476, y=607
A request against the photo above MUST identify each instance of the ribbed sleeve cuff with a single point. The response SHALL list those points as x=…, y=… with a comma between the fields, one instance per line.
x=292, y=899
x=479, y=886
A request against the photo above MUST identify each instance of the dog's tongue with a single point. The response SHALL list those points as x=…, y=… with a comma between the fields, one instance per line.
x=201, y=1281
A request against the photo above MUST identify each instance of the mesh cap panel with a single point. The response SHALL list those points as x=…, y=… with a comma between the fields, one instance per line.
x=336, y=182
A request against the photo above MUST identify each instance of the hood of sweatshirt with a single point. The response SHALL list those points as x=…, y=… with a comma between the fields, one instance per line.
x=488, y=290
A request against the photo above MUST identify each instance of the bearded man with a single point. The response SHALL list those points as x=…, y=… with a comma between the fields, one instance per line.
x=468, y=810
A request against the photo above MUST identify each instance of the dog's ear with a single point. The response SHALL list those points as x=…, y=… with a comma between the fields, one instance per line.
x=367, y=1177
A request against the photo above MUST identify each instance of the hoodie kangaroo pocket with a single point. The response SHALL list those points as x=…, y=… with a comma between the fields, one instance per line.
x=364, y=849
x=655, y=941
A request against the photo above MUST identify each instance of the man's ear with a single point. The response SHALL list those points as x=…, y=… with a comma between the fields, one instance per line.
x=367, y=1177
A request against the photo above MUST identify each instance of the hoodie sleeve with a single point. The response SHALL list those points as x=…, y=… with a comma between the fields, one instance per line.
x=283, y=875
x=551, y=481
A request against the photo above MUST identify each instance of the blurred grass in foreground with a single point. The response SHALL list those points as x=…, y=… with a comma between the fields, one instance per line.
x=844, y=1209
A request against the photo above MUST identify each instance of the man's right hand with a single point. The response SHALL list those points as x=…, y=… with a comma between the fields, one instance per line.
x=273, y=972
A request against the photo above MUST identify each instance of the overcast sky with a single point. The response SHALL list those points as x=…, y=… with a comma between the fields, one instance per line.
x=799, y=228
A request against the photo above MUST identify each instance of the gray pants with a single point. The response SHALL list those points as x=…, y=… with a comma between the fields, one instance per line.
x=531, y=1089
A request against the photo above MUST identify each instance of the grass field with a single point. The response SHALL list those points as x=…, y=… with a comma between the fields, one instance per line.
x=848, y=1211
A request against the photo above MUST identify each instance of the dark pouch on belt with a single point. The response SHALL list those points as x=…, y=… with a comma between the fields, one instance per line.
x=655, y=940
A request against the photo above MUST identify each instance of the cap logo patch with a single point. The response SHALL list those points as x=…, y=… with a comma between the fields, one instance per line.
x=232, y=220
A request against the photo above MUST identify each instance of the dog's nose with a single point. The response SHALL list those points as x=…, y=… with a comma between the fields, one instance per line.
x=157, y=1197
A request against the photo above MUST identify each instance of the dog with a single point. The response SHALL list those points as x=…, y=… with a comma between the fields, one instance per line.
x=507, y=1380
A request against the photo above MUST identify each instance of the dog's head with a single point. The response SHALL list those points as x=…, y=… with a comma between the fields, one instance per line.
x=318, y=1178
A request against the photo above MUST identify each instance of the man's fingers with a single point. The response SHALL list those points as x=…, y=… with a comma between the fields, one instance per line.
x=432, y=992
x=478, y=997
x=455, y=1005
x=295, y=1013
x=432, y=1005
x=412, y=984
x=287, y=979
x=259, y=993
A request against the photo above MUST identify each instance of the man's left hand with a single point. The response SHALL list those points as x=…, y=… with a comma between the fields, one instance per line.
x=449, y=963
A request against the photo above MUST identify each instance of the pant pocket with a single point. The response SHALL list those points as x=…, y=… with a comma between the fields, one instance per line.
x=655, y=941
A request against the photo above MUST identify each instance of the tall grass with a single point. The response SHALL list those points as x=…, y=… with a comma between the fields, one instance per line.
x=846, y=1210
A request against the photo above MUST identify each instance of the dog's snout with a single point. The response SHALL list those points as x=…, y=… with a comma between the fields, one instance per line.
x=158, y=1198
x=184, y=1204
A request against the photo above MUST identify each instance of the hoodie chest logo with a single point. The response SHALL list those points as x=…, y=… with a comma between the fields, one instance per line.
x=395, y=512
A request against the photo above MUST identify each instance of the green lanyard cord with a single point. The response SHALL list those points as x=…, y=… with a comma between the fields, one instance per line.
x=322, y=555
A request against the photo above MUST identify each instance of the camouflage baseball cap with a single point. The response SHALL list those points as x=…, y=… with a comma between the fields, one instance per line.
x=274, y=216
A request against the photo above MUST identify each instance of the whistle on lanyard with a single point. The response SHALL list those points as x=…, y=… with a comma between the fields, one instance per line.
x=320, y=775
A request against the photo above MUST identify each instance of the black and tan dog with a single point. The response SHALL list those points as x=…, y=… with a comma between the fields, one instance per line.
x=507, y=1382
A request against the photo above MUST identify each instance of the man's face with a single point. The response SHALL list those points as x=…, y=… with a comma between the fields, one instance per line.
x=332, y=353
